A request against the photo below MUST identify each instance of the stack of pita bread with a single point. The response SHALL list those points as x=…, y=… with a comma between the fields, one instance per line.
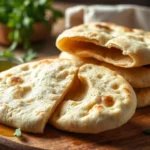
x=122, y=49
x=89, y=89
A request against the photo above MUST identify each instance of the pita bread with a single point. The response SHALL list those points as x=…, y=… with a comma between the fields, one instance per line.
x=29, y=93
x=114, y=44
x=65, y=55
x=99, y=100
x=138, y=77
x=143, y=97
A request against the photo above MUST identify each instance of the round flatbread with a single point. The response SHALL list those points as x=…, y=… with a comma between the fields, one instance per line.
x=138, y=77
x=143, y=97
x=99, y=100
x=29, y=93
x=111, y=43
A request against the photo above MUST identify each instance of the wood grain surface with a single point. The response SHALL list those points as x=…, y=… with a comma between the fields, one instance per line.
x=129, y=136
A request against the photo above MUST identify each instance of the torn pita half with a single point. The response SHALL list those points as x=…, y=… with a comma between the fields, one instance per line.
x=143, y=97
x=99, y=100
x=29, y=93
x=138, y=77
x=114, y=44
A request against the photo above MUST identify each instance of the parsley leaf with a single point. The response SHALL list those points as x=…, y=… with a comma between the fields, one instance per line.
x=18, y=133
x=30, y=55
x=20, y=16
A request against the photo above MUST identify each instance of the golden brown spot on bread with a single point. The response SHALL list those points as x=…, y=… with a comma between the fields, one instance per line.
x=127, y=90
x=63, y=74
x=78, y=30
x=83, y=114
x=115, y=86
x=93, y=34
x=30, y=100
x=127, y=29
x=8, y=75
x=108, y=100
x=98, y=100
x=60, y=68
x=25, y=67
x=46, y=61
x=27, y=88
x=99, y=107
x=99, y=76
x=89, y=107
x=102, y=26
x=89, y=67
x=20, y=91
x=16, y=80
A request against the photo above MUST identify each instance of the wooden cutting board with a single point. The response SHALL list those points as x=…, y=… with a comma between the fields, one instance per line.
x=129, y=136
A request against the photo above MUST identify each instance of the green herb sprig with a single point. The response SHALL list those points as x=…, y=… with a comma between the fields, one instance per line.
x=18, y=133
x=19, y=16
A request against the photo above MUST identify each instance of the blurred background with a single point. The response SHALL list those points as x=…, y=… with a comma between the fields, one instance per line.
x=138, y=2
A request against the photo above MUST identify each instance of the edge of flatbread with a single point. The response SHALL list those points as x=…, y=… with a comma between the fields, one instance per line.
x=138, y=77
x=111, y=43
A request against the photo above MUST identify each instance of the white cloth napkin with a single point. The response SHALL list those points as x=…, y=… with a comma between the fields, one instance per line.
x=132, y=16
